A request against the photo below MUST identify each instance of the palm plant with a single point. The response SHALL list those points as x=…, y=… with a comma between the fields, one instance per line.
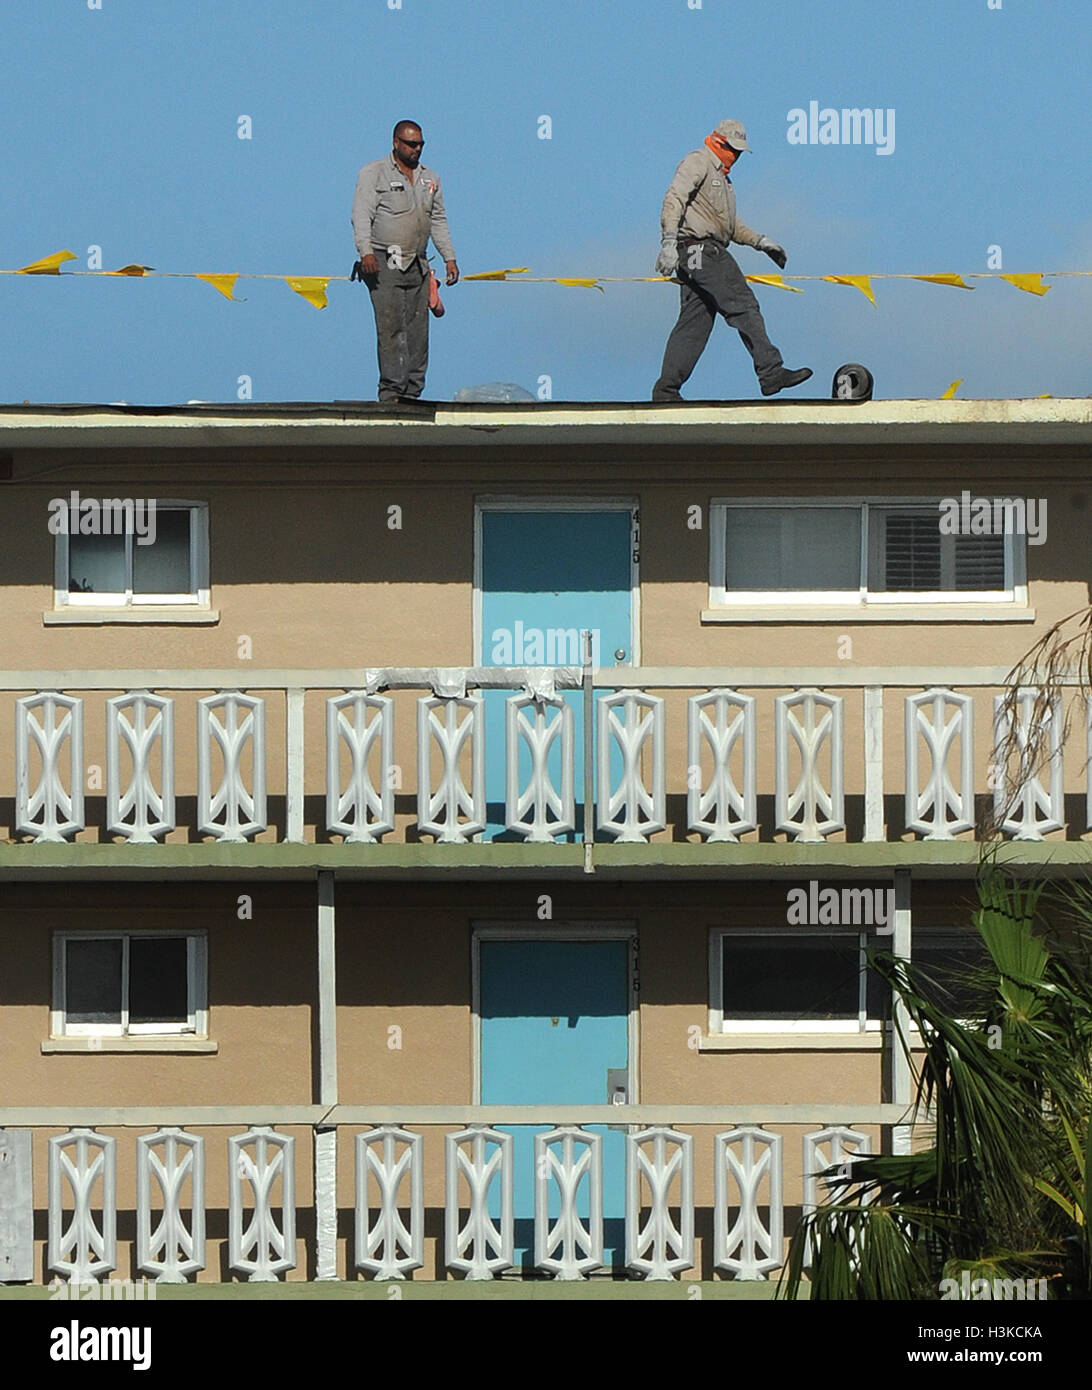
x=1003, y=1189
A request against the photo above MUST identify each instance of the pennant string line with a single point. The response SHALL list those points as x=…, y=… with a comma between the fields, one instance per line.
x=313, y=287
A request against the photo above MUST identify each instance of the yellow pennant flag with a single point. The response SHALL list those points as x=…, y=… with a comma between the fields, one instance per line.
x=131, y=270
x=775, y=280
x=956, y=281
x=949, y=395
x=1031, y=284
x=858, y=282
x=224, y=283
x=311, y=287
x=498, y=274
x=580, y=283
x=48, y=265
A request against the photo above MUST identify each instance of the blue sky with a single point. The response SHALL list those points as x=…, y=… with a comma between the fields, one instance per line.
x=120, y=131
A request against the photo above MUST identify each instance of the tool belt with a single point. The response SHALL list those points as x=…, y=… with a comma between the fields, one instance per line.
x=685, y=241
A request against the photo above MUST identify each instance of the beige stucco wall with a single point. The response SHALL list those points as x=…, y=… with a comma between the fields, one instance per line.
x=261, y=984
x=312, y=574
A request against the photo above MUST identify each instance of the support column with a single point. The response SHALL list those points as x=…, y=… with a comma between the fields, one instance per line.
x=873, y=741
x=326, y=1137
x=899, y=1080
x=293, y=830
x=589, y=754
x=16, y=1207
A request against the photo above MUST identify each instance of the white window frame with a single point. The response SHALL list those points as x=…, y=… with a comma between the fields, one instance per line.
x=1013, y=595
x=198, y=597
x=726, y=1027
x=196, y=1024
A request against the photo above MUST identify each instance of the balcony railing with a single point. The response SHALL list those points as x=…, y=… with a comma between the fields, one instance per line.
x=734, y=1151
x=710, y=754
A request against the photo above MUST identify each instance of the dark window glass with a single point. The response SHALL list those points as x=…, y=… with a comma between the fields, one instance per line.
x=794, y=978
x=877, y=1003
x=947, y=963
x=96, y=564
x=164, y=566
x=158, y=982
x=93, y=981
x=912, y=551
x=980, y=562
x=916, y=556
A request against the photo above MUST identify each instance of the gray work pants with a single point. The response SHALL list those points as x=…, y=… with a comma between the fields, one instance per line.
x=400, y=301
x=712, y=284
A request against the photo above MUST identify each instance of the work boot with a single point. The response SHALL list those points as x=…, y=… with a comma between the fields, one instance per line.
x=785, y=378
x=662, y=397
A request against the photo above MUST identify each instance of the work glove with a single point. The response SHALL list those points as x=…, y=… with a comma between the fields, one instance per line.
x=776, y=253
x=667, y=262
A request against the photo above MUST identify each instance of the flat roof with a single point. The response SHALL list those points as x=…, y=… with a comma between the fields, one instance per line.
x=331, y=424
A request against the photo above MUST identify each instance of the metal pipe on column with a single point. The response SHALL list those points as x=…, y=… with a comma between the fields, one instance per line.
x=326, y=1136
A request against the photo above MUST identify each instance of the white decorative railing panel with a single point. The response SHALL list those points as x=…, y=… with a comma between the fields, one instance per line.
x=939, y=719
x=454, y=812
x=479, y=1247
x=389, y=1247
x=568, y=1157
x=631, y=722
x=144, y=724
x=261, y=1249
x=750, y=1250
x=83, y=1249
x=53, y=810
x=529, y=724
x=364, y=724
x=836, y=1146
x=721, y=809
x=170, y=1250
x=812, y=723
x=241, y=729
x=660, y=1248
x=1028, y=811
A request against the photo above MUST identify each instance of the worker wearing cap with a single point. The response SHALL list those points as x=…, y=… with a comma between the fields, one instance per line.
x=698, y=223
x=398, y=205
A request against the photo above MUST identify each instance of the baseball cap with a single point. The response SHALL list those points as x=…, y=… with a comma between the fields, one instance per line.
x=734, y=134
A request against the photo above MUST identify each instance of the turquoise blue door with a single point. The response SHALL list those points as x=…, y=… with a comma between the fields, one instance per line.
x=554, y=1022
x=546, y=577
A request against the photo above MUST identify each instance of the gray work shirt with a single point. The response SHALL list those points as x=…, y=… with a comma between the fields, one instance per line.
x=701, y=202
x=391, y=210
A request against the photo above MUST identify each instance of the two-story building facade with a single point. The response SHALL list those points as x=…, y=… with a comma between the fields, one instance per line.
x=446, y=842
